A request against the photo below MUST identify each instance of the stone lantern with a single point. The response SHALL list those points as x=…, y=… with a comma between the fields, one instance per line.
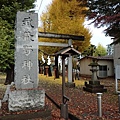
x=94, y=84
x=94, y=70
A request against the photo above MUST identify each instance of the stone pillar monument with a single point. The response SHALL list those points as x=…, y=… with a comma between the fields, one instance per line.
x=26, y=94
x=26, y=54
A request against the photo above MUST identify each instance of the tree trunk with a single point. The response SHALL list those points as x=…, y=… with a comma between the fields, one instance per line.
x=56, y=64
x=9, y=75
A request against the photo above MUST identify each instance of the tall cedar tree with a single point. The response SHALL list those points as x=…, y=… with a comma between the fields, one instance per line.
x=106, y=13
x=89, y=51
x=65, y=16
x=8, y=10
x=93, y=50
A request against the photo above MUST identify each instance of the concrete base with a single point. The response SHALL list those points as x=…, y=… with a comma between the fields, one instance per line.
x=26, y=99
x=70, y=84
x=94, y=87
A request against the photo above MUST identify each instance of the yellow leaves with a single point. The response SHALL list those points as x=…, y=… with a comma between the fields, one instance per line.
x=59, y=80
x=50, y=79
x=65, y=17
x=79, y=82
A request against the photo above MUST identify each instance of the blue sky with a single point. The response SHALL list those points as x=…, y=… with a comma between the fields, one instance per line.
x=98, y=35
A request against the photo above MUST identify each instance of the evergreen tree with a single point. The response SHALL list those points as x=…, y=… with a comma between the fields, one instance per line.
x=6, y=45
x=8, y=10
x=89, y=51
x=100, y=50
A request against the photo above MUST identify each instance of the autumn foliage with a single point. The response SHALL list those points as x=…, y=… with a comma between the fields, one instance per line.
x=106, y=13
x=82, y=104
x=65, y=17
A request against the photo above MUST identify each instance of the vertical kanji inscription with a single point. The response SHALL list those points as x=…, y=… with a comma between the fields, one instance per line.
x=26, y=54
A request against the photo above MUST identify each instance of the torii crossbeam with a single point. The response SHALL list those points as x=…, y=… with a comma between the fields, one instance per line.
x=60, y=36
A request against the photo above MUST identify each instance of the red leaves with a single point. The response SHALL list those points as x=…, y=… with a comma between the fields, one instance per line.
x=55, y=114
x=82, y=104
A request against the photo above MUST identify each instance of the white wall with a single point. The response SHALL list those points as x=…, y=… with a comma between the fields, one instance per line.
x=110, y=66
x=85, y=69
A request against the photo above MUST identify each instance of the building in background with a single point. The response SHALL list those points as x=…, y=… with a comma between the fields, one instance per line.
x=116, y=55
x=105, y=68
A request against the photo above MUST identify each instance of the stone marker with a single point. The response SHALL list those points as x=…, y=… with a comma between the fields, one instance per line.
x=26, y=54
x=26, y=94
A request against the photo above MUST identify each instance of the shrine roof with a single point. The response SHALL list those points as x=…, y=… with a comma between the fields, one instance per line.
x=66, y=51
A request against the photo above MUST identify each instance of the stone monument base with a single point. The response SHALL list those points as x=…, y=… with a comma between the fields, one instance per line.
x=94, y=87
x=26, y=99
x=70, y=84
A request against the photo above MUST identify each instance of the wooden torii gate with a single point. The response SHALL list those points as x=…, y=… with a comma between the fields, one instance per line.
x=61, y=36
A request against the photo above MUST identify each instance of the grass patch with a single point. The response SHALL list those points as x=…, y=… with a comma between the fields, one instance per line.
x=51, y=79
x=2, y=78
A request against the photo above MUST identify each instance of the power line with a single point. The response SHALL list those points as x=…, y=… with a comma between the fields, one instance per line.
x=40, y=5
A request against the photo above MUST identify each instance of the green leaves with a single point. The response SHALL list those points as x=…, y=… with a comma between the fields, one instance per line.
x=89, y=51
x=92, y=50
x=8, y=10
x=100, y=51
x=6, y=44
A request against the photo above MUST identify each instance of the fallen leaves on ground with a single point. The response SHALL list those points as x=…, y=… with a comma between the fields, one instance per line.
x=82, y=104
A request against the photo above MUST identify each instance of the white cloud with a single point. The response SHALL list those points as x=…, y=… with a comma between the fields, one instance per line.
x=98, y=35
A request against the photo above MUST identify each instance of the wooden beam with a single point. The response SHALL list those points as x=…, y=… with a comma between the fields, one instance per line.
x=52, y=44
x=60, y=36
